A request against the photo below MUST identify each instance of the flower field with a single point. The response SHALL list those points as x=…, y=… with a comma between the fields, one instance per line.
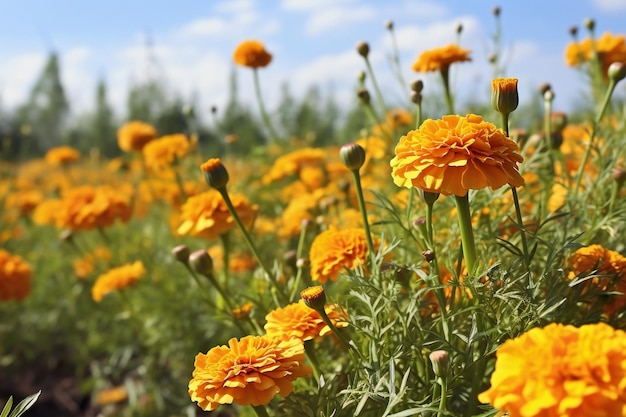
x=466, y=263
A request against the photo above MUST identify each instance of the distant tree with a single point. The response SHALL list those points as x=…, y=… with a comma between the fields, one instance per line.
x=104, y=126
x=45, y=115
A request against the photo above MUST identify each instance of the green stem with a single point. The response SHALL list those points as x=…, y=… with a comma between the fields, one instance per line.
x=338, y=334
x=260, y=410
x=614, y=195
x=467, y=234
x=264, y=115
x=444, y=396
x=205, y=293
x=445, y=77
x=379, y=96
x=299, y=251
x=520, y=223
x=359, y=194
x=418, y=114
x=251, y=246
x=225, y=239
x=596, y=122
x=441, y=297
x=181, y=186
x=396, y=58
x=309, y=350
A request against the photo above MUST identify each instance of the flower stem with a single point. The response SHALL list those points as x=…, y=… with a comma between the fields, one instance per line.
x=359, y=194
x=379, y=96
x=441, y=297
x=250, y=243
x=467, y=234
x=445, y=77
x=260, y=410
x=264, y=115
x=443, y=381
x=596, y=122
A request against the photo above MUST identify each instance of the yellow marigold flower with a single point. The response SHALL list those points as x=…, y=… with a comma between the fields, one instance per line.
x=440, y=59
x=252, y=54
x=15, y=276
x=85, y=266
x=112, y=395
x=249, y=371
x=333, y=250
x=88, y=208
x=561, y=371
x=62, y=155
x=292, y=163
x=243, y=312
x=455, y=154
x=206, y=215
x=24, y=201
x=163, y=152
x=134, y=135
x=117, y=279
x=299, y=321
x=610, y=48
x=314, y=297
x=610, y=265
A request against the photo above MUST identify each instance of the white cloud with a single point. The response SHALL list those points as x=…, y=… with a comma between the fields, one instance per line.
x=417, y=38
x=332, y=17
x=235, y=6
x=17, y=75
x=205, y=27
x=311, y=5
x=610, y=5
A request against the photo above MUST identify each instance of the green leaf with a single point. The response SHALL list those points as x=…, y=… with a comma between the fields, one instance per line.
x=7, y=407
x=25, y=404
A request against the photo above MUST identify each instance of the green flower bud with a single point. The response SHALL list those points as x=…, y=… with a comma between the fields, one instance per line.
x=352, y=155
x=504, y=95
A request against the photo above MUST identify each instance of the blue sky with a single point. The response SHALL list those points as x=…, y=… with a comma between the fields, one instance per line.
x=313, y=42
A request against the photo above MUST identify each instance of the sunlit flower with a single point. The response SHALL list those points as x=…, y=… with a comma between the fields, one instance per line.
x=243, y=312
x=88, y=208
x=249, y=371
x=440, y=59
x=609, y=270
x=610, y=48
x=252, y=54
x=15, y=276
x=455, y=154
x=117, y=279
x=86, y=265
x=24, y=201
x=333, y=250
x=162, y=152
x=292, y=163
x=62, y=155
x=561, y=370
x=134, y=135
x=298, y=321
x=112, y=395
x=206, y=215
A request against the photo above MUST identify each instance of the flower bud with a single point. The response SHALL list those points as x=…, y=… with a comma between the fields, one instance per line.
x=314, y=297
x=543, y=88
x=303, y=263
x=428, y=255
x=590, y=24
x=364, y=95
x=363, y=48
x=416, y=97
x=201, y=262
x=215, y=173
x=389, y=25
x=619, y=175
x=213, y=109
x=504, y=95
x=419, y=222
x=573, y=30
x=439, y=359
x=181, y=253
x=361, y=76
x=428, y=197
x=617, y=71
x=459, y=28
x=417, y=86
x=548, y=95
x=352, y=155
x=66, y=235
x=558, y=121
x=496, y=11
x=188, y=110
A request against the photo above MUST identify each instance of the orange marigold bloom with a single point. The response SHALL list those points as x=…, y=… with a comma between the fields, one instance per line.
x=134, y=135
x=249, y=371
x=243, y=312
x=117, y=279
x=252, y=54
x=62, y=155
x=14, y=277
x=440, y=59
x=610, y=48
x=112, y=395
x=332, y=250
x=561, y=371
x=611, y=268
x=299, y=321
x=206, y=215
x=163, y=152
x=88, y=208
x=455, y=154
x=293, y=162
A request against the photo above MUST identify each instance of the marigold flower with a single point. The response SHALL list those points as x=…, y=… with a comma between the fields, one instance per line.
x=243, y=312
x=249, y=371
x=610, y=48
x=162, y=152
x=15, y=276
x=112, y=395
x=292, y=163
x=299, y=321
x=117, y=279
x=62, y=155
x=314, y=297
x=440, y=59
x=332, y=250
x=252, y=54
x=610, y=266
x=455, y=154
x=134, y=135
x=561, y=370
x=88, y=208
x=215, y=173
x=206, y=215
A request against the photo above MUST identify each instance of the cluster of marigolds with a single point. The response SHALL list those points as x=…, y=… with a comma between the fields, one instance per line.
x=450, y=156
